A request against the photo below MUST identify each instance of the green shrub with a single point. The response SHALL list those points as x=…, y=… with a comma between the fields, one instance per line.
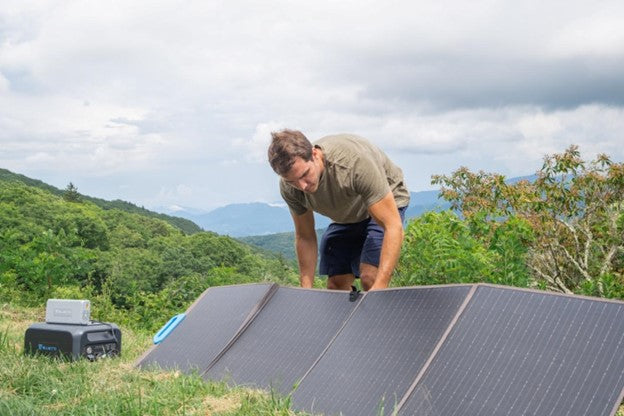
x=440, y=248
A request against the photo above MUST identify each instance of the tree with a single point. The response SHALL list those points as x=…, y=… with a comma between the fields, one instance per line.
x=575, y=209
x=49, y=261
x=71, y=193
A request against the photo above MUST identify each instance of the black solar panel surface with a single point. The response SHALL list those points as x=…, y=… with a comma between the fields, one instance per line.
x=377, y=356
x=207, y=328
x=284, y=340
x=524, y=353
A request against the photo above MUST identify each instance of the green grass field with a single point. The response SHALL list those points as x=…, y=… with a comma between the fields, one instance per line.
x=43, y=386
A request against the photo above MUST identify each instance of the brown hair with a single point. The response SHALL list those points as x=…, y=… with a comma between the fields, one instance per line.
x=286, y=146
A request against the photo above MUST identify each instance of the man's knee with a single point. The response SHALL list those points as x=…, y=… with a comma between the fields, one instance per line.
x=340, y=282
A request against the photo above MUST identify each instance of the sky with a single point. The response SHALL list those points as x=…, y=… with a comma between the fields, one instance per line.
x=171, y=103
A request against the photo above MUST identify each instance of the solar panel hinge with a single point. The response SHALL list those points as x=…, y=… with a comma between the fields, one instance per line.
x=354, y=294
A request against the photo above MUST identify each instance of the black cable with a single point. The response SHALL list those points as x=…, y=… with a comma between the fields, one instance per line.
x=112, y=330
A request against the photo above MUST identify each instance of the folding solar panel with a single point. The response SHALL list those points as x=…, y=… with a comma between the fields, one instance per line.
x=284, y=340
x=211, y=322
x=518, y=352
x=436, y=351
x=375, y=358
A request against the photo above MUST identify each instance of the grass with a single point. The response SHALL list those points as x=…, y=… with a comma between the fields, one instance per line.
x=39, y=385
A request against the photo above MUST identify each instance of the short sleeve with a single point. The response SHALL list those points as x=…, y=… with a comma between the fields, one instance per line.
x=369, y=180
x=294, y=198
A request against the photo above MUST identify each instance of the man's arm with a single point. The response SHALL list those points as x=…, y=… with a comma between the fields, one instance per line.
x=386, y=213
x=306, y=247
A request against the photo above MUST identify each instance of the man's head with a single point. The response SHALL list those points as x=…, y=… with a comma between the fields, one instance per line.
x=293, y=157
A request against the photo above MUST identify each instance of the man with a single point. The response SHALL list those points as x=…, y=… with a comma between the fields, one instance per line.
x=347, y=179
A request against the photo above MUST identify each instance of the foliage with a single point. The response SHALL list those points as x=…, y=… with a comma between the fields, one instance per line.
x=140, y=270
x=576, y=213
x=281, y=243
x=441, y=248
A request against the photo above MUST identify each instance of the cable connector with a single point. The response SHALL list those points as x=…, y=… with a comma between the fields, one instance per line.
x=354, y=294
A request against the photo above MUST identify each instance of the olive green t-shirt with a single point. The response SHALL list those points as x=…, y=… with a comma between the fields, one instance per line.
x=357, y=174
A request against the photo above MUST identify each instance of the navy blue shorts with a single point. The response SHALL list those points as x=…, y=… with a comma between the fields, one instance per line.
x=345, y=246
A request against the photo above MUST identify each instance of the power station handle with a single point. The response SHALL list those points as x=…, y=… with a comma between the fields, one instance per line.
x=168, y=328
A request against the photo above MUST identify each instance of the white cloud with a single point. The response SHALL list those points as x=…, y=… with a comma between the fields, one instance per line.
x=598, y=34
x=4, y=84
x=254, y=150
x=151, y=95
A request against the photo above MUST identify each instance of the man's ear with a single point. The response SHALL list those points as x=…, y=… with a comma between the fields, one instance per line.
x=316, y=152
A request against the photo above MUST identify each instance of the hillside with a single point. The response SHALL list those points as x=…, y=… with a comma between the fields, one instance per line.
x=38, y=385
x=188, y=226
x=138, y=268
x=281, y=243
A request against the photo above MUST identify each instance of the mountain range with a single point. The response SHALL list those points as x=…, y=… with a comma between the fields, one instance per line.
x=263, y=219
x=260, y=218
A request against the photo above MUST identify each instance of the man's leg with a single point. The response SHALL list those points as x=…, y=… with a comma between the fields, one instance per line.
x=340, y=254
x=340, y=282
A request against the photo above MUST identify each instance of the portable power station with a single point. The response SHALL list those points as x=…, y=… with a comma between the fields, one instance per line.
x=92, y=341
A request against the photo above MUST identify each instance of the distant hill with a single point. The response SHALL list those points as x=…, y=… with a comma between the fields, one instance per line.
x=184, y=224
x=254, y=218
x=420, y=202
x=261, y=219
x=241, y=220
x=280, y=243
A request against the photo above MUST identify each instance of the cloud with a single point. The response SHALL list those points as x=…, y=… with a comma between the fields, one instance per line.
x=137, y=98
x=4, y=84
x=254, y=150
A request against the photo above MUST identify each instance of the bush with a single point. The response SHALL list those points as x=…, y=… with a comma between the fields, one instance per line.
x=440, y=248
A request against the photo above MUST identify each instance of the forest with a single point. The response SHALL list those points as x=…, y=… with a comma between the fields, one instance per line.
x=135, y=269
x=564, y=231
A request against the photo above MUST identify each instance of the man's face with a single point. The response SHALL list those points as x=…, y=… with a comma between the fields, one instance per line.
x=304, y=175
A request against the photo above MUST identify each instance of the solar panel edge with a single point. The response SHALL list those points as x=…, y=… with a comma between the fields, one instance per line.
x=248, y=320
x=617, y=404
x=551, y=293
x=139, y=361
x=435, y=286
x=447, y=331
